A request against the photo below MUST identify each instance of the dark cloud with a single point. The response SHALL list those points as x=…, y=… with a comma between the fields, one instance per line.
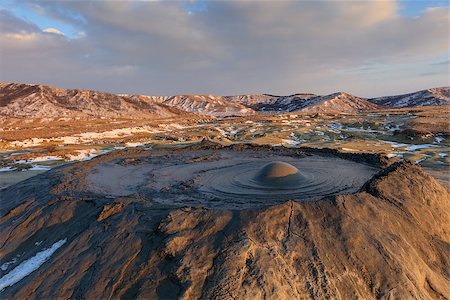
x=12, y=24
x=229, y=47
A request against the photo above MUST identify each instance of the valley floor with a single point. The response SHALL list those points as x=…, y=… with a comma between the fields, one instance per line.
x=422, y=135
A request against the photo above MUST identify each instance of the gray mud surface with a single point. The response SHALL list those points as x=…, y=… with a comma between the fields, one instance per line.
x=225, y=178
x=12, y=177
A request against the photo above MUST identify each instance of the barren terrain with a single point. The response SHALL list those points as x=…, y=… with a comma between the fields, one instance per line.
x=421, y=135
x=386, y=239
x=234, y=197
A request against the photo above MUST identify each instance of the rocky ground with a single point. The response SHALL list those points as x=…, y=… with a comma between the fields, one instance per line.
x=389, y=239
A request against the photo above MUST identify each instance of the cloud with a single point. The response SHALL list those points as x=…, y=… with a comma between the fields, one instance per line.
x=12, y=24
x=53, y=31
x=21, y=36
x=441, y=63
x=228, y=47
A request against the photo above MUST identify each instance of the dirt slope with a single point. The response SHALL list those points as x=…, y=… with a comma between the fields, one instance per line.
x=429, y=97
x=27, y=100
x=390, y=240
x=217, y=106
x=339, y=102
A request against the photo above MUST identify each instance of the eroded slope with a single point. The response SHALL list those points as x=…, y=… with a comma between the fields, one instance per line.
x=390, y=239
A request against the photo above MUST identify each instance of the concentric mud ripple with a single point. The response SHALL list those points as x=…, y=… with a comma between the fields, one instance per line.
x=227, y=178
x=319, y=177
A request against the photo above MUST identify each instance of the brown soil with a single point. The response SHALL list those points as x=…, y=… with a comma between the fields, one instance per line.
x=388, y=240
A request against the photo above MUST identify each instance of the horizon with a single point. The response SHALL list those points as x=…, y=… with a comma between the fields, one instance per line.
x=365, y=48
x=229, y=94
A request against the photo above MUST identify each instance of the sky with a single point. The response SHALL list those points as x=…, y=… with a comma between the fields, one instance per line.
x=367, y=48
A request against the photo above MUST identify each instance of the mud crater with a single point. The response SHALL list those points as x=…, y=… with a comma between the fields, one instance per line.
x=227, y=178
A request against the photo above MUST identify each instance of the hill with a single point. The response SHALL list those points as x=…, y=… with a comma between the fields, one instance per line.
x=429, y=97
x=217, y=106
x=30, y=100
x=337, y=102
x=244, y=105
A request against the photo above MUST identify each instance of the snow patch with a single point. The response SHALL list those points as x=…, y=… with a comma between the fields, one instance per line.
x=222, y=132
x=420, y=160
x=234, y=131
x=334, y=131
x=394, y=144
x=38, y=168
x=391, y=155
x=395, y=127
x=291, y=142
x=418, y=147
x=5, y=265
x=85, y=154
x=335, y=125
x=87, y=137
x=28, y=266
x=409, y=147
x=134, y=144
x=44, y=158
x=438, y=140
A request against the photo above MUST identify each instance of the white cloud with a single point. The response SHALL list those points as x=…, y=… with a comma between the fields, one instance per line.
x=21, y=36
x=53, y=31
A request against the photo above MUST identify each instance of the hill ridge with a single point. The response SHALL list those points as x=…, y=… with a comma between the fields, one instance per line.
x=39, y=100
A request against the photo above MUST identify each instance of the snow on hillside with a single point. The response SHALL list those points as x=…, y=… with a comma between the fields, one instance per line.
x=28, y=100
x=217, y=106
x=430, y=97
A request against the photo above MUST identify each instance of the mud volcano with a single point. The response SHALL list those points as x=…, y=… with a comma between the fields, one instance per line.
x=213, y=222
x=227, y=178
x=245, y=179
x=279, y=174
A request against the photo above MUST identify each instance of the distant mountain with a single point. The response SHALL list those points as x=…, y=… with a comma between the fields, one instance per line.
x=217, y=106
x=251, y=100
x=337, y=102
x=430, y=97
x=30, y=100
x=244, y=105
x=280, y=104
